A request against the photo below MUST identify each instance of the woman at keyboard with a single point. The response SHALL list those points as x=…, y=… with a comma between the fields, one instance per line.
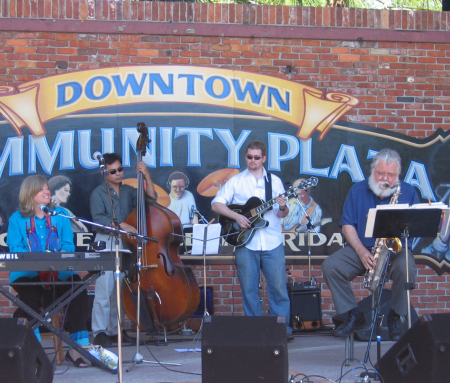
x=32, y=229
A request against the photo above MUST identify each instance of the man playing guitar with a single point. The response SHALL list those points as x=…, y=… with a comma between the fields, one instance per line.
x=264, y=249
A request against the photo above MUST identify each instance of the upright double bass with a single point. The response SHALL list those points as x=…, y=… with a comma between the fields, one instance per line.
x=169, y=289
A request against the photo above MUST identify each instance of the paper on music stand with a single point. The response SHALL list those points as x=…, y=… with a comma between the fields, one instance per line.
x=373, y=212
x=113, y=250
x=432, y=205
x=393, y=206
x=212, y=240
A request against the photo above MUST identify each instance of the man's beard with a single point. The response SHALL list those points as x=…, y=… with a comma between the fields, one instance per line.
x=379, y=188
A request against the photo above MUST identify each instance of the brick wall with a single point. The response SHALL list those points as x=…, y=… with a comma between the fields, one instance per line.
x=397, y=63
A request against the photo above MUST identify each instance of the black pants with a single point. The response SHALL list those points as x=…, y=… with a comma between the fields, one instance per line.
x=36, y=296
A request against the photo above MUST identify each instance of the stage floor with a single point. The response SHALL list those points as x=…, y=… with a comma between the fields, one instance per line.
x=311, y=353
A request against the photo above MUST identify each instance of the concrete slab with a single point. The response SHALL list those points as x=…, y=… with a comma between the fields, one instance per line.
x=318, y=355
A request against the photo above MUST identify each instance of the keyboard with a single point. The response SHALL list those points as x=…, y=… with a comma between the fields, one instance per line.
x=57, y=261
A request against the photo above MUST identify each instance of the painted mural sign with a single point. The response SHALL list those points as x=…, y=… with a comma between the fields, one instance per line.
x=200, y=121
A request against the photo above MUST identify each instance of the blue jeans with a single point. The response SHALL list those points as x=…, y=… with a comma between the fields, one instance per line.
x=273, y=265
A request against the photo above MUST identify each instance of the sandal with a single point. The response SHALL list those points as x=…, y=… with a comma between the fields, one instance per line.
x=77, y=363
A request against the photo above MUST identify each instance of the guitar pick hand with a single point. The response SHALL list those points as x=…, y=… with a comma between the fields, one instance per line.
x=243, y=221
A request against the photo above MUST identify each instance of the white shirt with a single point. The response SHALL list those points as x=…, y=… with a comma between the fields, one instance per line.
x=182, y=206
x=241, y=187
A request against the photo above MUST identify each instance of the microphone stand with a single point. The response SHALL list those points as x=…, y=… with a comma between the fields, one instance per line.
x=202, y=218
x=116, y=232
x=311, y=228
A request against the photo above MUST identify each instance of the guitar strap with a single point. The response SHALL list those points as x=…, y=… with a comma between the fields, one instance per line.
x=268, y=182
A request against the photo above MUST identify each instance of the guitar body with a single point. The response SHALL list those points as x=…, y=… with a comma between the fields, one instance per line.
x=254, y=210
x=239, y=237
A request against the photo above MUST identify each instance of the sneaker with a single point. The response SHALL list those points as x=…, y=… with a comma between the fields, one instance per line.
x=350, y=325
x=102, y=339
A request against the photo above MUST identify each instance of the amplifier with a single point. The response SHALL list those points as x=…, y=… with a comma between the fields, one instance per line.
x=306, y=308
x=302, y=286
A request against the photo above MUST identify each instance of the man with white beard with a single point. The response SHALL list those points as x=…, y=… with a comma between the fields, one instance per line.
x=340, y=268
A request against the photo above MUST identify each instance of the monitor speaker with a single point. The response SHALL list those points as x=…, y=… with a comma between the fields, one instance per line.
x=244, y=349
x=421, y=355
x=22, y=358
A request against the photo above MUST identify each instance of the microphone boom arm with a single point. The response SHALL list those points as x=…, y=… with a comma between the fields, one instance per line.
x=106, y=227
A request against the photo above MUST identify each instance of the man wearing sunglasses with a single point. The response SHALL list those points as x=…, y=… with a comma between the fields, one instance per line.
x=264, y=251
x=110, y=205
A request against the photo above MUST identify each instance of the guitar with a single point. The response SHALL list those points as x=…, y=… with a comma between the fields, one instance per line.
x=254, y=210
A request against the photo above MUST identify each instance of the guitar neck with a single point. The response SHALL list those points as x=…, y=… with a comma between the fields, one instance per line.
x=267, y=205
x=291, y=191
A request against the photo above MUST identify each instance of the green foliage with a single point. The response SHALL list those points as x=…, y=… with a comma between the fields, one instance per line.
x=431, y=5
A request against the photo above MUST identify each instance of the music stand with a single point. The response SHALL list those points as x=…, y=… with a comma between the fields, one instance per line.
x=406, y=223
x=394, y=223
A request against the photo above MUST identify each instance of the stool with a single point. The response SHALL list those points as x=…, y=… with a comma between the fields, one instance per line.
x=57, y=343
x=350, y=340
x=349, y=346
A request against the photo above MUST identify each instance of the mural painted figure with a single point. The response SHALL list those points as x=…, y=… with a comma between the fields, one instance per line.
x=296, y=219
x=60, y=189
x=182, y=201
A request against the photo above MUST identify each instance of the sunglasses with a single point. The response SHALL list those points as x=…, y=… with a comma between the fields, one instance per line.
x=257, y=158
x=114, y=171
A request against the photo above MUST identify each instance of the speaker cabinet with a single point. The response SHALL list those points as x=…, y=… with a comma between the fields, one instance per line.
x=365, y=305
x=306, y=309
x=421, y=355
x=22, y=358
x=244, y=349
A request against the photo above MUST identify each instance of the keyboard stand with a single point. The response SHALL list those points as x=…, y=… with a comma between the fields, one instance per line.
x=42, y=319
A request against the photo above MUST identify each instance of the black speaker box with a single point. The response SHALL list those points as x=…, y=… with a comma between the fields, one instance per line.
x=365, y=305
x=244, y=349
x=306, y=309
x=22, y=358
x=421, y=355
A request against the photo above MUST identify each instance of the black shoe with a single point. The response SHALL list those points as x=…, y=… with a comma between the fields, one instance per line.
x=395, y=328
x=102, y=339
x=290, y=337
x=126, y=339
x=350, y=325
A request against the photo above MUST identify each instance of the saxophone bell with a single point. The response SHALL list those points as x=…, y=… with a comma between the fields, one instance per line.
x=394, y=244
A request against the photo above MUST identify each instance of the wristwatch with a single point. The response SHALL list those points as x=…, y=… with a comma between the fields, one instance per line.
x=284, y=208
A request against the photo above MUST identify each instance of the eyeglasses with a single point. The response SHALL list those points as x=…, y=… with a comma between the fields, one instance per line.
x=114, y=171
x=388, y=175
x=257, y=158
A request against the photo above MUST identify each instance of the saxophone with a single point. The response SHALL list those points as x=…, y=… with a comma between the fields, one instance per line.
x=372, y=278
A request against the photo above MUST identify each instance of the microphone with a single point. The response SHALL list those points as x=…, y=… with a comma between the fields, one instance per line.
x=101, y=161
x=192, y=212
x=46, y=209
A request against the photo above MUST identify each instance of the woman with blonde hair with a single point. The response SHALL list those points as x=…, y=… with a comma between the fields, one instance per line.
x=32, y=230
